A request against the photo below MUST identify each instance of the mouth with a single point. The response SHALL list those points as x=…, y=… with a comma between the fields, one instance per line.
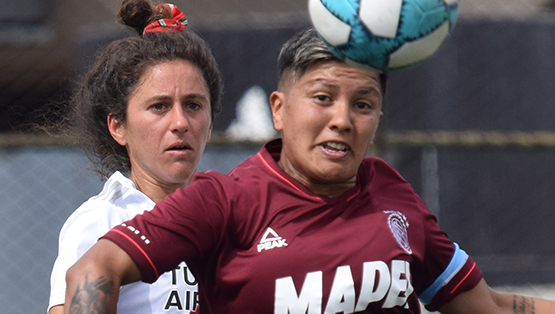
x=178, y=148
x=335, y=147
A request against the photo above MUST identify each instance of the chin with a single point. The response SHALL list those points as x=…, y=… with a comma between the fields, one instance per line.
x=337, y=173
x=341, y=177
x=181, y=176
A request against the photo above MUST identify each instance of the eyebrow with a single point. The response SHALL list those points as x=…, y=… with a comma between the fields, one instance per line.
x=197, y=96
x=186, y=97
x=366, y=90
x=324, y=83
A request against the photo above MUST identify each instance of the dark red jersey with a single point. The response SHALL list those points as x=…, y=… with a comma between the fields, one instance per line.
x=259, y=242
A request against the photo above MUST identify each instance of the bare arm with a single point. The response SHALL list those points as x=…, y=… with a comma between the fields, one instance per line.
x=484, y=300
x=93, y=282
x=58, y=309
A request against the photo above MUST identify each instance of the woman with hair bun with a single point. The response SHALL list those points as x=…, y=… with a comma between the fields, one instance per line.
x=143, y=114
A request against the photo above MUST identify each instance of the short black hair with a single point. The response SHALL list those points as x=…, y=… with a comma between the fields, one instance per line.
x=306, y=49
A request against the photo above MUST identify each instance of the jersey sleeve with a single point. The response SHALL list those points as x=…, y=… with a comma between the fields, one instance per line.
x=440, y=270
x=80, y=231
x=186, y=225
x=461, y=274
x=446, y=270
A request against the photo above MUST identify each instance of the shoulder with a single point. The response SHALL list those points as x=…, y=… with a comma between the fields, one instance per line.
x=388, y=187
x=249, y=173
x=216, y=195
x=379, y=166
x=118, y=188
x=91, y=220
x=380, y=174
x=117, y=202
x=207, y=189
x=210, y=182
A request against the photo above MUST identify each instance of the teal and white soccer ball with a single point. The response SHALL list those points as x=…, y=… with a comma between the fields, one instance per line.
x=383, y=35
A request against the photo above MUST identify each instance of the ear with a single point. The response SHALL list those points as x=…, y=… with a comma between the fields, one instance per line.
x=376, y=129
x=117, y=130
x=277, y=99
x=209, y=136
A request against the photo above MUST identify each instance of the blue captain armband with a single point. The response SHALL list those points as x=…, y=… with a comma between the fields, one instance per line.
x=457, y=262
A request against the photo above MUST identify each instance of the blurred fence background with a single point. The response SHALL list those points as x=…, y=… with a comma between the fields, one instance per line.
x=472, y=128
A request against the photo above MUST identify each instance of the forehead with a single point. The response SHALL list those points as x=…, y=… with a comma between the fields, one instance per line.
x=338, y=73
x=168, y=75
x=170, y=68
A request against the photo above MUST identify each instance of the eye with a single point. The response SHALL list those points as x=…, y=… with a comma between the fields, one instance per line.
x=367, y=101
x=158, y=106
x=193, y=106
x=323, y=98
x=363, y=105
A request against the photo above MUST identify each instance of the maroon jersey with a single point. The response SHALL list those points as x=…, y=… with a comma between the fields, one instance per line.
x=259, y=242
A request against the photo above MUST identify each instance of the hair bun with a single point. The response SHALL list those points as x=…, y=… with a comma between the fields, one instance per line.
x=136, y=14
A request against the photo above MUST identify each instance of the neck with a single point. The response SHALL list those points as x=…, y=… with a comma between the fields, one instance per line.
x=332, y=190
x=154, y=189
x=329, y=189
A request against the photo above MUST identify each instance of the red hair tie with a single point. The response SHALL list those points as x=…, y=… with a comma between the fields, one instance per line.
x=178, y=22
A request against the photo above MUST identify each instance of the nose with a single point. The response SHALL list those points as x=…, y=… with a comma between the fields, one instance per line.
x=341, y=118
x=178, y=119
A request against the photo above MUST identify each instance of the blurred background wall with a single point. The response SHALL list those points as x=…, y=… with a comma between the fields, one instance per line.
x=472, y=128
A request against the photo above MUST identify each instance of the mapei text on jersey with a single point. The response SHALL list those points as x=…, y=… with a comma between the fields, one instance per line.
x=393, y=285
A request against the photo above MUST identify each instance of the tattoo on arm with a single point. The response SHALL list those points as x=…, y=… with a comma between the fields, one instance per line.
x=92, y=297
x=523, y=305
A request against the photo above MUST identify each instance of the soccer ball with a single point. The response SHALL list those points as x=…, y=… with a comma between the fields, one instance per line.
x=383, y=35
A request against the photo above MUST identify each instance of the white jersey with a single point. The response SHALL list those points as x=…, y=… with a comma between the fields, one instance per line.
x=119, y=201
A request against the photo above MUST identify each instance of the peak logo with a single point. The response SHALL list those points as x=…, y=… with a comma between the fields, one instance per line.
x=270, y=240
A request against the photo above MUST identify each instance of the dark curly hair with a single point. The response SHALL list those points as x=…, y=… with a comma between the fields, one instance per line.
x=105, y=89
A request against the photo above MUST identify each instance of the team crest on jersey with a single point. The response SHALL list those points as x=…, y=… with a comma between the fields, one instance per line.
x=399, y=225
x=271, y=240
